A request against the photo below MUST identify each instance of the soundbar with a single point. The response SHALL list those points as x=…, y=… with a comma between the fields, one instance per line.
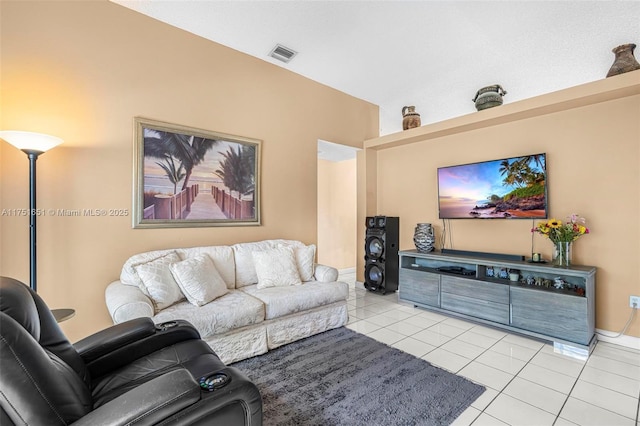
x=485, y=255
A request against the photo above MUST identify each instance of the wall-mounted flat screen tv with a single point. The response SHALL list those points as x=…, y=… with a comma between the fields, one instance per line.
x=509, y=188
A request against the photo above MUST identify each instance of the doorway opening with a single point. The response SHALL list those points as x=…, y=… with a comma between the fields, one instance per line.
x=337, y=206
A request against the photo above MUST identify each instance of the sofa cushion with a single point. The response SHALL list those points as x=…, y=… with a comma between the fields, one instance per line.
x=157, y=281
x=243, y=254
x=276, y=267
x=281, y=301
x=234, y=310
x=199, y=279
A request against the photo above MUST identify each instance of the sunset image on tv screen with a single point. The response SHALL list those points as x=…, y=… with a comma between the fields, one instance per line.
x=507, y=188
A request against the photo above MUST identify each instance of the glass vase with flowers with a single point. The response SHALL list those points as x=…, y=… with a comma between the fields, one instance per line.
x=562, y=235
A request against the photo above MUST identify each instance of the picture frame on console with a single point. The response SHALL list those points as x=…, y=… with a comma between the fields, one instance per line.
x=189, y=177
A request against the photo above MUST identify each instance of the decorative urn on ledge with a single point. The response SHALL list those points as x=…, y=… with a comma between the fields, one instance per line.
x=489, y=96
x=410, y=118
x=624, y=60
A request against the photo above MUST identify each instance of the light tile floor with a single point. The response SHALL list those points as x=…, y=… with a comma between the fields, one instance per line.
x=527, y=383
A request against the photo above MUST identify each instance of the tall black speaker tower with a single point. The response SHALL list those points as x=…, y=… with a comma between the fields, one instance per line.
x=381, y=254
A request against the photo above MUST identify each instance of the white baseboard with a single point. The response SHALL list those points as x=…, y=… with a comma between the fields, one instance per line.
x=347, y=271
x=624, y=340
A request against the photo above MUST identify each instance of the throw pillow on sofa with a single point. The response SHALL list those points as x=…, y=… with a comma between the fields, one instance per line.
x=129, y=275
x=243, y=255
x=305, y=257
x=157, y=281
x=199, y=279
x=276, y=267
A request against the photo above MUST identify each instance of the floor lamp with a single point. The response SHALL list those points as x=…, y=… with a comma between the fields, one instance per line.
x=32, y=144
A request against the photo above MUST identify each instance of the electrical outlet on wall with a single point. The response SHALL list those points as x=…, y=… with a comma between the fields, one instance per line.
x=634, y=300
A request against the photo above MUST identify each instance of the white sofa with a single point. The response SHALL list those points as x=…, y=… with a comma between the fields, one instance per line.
x=262, y=307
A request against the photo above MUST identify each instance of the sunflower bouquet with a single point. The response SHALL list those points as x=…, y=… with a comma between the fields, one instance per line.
x=559, y=232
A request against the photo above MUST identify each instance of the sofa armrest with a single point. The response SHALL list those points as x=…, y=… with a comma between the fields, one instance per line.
x=126, y=302
x=325, y=274
x=149, y=403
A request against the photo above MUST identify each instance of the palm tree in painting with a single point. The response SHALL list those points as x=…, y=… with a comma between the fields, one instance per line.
x=196, y=150
x=187, y=149
x=174, y=173
x=237, y=170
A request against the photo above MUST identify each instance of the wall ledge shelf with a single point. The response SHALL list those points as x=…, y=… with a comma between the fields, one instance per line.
x=591, y=93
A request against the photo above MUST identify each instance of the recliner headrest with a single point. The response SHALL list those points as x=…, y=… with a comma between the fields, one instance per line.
x=29, y=310
x=16, y=300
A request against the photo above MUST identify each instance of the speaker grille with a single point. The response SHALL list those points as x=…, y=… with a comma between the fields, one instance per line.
x=381, y=254
x=374, y=248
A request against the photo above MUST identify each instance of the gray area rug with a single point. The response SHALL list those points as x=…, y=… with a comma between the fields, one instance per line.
x=341, y=377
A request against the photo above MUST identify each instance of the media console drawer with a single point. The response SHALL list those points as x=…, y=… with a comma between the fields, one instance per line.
x=419, y=287
x=492, y=311
x=556, y=315
x=476, y=289
x=479, y=299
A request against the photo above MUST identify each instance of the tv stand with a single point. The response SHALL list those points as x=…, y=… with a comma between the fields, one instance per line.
x=547, y=302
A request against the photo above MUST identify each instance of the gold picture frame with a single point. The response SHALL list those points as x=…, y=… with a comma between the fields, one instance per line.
x=189, y=177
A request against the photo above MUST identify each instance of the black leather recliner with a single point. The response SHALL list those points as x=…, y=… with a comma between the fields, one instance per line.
x=134, y=373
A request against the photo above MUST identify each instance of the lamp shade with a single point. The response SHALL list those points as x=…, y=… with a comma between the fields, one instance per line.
x=29, y=140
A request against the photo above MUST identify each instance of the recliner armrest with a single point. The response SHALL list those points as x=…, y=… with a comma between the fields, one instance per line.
x=237, y=403
x=114, y=337
x=149, y=403
x=105, y=351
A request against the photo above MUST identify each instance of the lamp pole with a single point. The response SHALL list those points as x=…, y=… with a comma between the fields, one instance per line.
x=32, y=144
x=33, y=264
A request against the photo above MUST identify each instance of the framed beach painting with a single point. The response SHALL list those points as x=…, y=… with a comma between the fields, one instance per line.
x=188, y=177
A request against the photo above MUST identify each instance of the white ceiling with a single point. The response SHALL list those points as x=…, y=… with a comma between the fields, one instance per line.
x=431, y=54
x=335, y=152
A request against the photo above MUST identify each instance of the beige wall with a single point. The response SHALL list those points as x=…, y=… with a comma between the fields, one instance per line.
x=337, y=197
x=593, y=156
x=82, y=71
x=367, y=201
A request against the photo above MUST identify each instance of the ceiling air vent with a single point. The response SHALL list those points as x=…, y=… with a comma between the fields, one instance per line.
x=282, y=53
